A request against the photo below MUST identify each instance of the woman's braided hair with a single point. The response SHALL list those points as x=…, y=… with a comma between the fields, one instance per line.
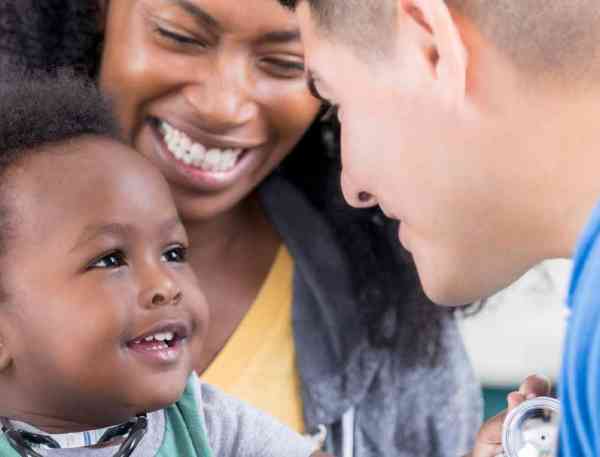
x=48, y=34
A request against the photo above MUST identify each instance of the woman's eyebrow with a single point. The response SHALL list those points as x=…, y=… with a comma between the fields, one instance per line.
x=280, y=36
x=201, y=16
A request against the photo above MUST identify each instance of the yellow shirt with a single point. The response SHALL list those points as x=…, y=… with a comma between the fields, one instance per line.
x=258, y=363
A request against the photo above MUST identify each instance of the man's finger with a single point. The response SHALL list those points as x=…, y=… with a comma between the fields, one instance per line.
x=535, y=386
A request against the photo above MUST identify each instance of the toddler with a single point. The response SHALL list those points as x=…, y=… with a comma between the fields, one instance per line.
x=98, y=305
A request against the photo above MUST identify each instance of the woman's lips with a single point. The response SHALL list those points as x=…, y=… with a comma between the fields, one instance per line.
x=208, y=173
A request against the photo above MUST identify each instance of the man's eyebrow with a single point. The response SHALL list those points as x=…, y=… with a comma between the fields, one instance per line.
x=198, y=13
x=280, y=36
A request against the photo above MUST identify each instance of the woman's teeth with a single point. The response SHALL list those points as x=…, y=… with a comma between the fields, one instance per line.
x=196, y=154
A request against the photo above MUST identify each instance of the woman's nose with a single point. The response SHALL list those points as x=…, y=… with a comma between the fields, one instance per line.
x=355, y=196
x=222, y=101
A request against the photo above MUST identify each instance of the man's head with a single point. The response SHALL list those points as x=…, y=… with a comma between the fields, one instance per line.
x=366, y=25
x=558, y=36
x=473, y=126
x=98, y=301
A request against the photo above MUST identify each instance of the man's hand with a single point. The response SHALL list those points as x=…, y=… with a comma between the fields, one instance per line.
x=489, y=438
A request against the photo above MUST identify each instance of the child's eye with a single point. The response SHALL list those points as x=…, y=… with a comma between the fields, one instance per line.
x=113, y=259
x=175, y=254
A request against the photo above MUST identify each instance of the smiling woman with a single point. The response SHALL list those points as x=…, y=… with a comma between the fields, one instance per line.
x=226, y=82
x=317, y=316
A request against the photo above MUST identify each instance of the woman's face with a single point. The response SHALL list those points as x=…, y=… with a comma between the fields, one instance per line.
x=211, y=91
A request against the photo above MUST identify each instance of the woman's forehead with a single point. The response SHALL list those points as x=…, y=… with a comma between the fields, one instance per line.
x=259, y=17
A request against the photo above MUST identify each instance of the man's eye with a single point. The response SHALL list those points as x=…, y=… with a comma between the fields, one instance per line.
x=175, y=254
x=113, y=259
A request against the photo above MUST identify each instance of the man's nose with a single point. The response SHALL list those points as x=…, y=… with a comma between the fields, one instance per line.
x=355, y=196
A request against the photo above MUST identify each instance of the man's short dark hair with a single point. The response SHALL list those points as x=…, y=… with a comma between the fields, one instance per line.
x=366, y=25
x=41, y=110
x=545, y=37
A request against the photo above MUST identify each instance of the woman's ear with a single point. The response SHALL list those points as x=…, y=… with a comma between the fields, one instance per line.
x=102, y=12
x=447, y=55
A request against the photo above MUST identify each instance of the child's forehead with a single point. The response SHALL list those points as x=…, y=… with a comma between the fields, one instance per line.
x=84, y=175
x=81, y=157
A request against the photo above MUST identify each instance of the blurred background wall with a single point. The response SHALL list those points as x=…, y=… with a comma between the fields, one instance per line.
x=519, y=332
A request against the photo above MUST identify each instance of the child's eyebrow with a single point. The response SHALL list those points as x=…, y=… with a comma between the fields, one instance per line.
x=93, y=231
x=118, y=230
x=171, y=225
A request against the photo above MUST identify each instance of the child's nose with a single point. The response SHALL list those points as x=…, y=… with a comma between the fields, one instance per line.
x=163, y=292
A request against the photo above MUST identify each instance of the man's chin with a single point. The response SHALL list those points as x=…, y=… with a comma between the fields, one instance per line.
x=450, y=291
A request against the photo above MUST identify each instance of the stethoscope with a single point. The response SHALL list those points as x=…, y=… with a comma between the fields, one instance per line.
x=531, y=429
x=22, y=441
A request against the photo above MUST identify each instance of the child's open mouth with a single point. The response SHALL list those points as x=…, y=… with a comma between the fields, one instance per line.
x=162, y=344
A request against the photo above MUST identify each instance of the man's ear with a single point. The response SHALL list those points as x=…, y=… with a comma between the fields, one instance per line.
x=448, y=54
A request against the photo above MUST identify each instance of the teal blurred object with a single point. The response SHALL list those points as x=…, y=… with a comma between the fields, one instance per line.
x=494, y=400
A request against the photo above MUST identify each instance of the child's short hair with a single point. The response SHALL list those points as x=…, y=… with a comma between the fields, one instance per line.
x=41, y=109
x=38, y=110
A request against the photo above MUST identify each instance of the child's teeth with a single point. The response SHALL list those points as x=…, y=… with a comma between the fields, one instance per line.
x=196, y=154
x=149, y=338
x=167, y=336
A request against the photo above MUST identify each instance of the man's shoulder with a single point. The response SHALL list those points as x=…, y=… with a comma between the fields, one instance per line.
x=586, y=263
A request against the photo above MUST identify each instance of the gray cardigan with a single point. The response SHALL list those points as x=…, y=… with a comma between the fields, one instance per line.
x=371, y=404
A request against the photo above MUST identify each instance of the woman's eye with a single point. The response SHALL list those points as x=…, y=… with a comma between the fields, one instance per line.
x=175, y=254
x=178, y=38
x=282, y=68
x=114, y=259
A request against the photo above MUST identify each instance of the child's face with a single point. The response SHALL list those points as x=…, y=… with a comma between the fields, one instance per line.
x=95, y=262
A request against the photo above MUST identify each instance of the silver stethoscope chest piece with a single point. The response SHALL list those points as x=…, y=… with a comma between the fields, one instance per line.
x=531, y=429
